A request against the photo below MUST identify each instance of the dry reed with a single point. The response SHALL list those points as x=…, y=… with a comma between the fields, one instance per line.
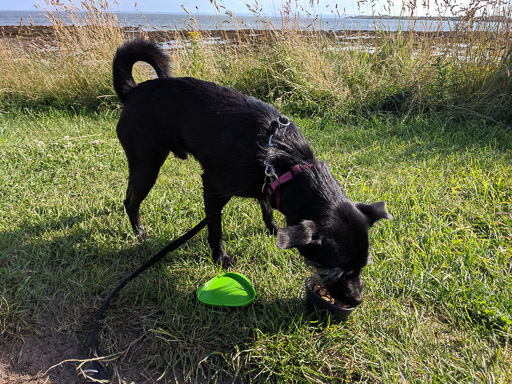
x=303, y=70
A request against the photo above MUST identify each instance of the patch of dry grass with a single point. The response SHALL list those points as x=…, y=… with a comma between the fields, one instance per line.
x=302, y=70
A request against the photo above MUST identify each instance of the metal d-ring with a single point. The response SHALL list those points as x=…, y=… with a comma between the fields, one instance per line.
x=283, y=121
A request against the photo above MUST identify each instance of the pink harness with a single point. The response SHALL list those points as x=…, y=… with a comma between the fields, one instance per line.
x=273, y=188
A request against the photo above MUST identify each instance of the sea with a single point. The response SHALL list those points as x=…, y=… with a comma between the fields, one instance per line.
x=173, y=21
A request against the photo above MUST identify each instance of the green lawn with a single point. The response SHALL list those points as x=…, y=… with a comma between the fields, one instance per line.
x=438, y=296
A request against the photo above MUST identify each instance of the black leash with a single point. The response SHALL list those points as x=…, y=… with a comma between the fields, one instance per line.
x=95, y=372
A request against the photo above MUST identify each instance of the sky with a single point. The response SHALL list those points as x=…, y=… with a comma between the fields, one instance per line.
x=270, y=7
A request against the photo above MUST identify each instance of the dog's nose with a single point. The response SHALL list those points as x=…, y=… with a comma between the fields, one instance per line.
x=356, y=300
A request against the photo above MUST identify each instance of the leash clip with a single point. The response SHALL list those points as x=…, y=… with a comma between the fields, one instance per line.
x=270, y=175
x=270, y=170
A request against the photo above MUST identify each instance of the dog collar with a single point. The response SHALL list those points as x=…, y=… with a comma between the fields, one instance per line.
x=273, y=188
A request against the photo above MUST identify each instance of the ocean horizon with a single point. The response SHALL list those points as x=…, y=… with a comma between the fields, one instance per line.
x=182, y=21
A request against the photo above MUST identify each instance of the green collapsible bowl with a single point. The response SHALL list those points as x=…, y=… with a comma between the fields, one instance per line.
x=227, y=290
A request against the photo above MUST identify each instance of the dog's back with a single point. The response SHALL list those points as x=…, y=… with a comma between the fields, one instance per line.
x=215, y=124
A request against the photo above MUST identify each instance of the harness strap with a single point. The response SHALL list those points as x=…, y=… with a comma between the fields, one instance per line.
x=273, y=188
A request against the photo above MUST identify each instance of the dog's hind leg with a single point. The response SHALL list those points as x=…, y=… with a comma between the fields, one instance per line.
x=268, y=216
x=143, y=175
x=213, y=204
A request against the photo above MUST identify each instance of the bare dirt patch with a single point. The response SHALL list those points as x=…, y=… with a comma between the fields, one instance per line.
x=51, y=356
x=27, y=360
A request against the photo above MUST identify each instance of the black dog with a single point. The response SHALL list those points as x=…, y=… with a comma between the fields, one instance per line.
x=246, y=148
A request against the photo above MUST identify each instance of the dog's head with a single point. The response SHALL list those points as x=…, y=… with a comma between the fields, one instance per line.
x=337, y=246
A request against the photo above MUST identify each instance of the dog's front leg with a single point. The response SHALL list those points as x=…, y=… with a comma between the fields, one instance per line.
x=268, y=216
x=213, y=204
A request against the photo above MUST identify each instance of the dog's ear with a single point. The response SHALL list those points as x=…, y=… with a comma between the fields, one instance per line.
x=374, y=212
x=297, y=235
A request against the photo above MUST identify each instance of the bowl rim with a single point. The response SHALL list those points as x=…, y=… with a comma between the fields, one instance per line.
x=334, y=306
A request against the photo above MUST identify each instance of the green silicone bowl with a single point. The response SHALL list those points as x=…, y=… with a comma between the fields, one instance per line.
x=228, y=289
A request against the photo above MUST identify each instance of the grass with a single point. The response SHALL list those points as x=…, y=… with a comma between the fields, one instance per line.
x=412, y=119
x=437, y=297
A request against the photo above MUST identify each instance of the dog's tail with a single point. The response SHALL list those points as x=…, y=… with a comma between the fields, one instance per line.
x=130, y=53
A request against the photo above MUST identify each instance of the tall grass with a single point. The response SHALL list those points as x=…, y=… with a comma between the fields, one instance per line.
x=302, y=70
x=73, y=68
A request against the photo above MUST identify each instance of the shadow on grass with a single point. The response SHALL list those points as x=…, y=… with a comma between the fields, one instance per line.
x=57, y=272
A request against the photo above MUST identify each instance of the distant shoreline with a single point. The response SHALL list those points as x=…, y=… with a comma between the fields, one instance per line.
x=210, y=22
x=264, y=16
x=490, y=19
x=46, y=34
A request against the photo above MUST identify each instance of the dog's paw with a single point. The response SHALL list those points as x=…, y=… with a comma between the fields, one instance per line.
x=225, y=261
x=273, y=229
x=142, y=234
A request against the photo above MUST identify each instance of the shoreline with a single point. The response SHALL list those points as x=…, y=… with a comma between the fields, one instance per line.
x=46, y=34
